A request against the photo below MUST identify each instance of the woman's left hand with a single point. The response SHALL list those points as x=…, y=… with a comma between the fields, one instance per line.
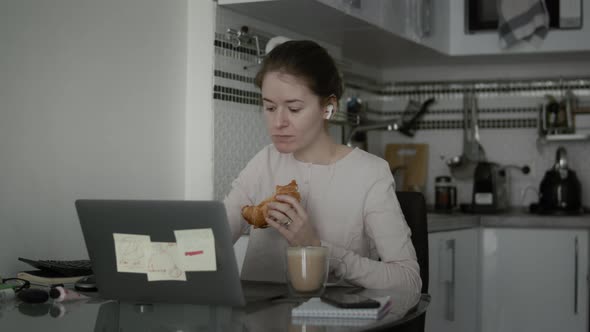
x=290, y=219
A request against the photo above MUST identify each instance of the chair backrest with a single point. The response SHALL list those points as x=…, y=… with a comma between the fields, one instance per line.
x=414, y=209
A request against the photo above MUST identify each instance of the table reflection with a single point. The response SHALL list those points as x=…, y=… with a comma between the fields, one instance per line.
x=101, y=315
x=261, y=316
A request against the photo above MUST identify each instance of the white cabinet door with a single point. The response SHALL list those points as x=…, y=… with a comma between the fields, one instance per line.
x=437, y=318
x=453, y=283
x=370, y=11
x=534, y=280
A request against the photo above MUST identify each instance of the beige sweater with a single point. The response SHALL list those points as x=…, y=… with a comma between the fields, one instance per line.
x=353, y=207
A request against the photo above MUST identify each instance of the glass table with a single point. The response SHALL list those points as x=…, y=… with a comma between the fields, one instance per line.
x=97, y=314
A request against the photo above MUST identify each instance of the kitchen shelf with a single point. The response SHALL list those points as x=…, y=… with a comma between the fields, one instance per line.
x=565, y=137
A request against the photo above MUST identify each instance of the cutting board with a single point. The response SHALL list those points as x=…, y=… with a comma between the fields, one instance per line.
x=409, y=165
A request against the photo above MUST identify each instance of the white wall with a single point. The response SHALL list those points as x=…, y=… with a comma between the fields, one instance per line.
x=93, y=105
x=199, y=101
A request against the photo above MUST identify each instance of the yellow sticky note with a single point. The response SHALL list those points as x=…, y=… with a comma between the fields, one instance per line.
x=131, y=252
x=197, y=249
x=164, y=262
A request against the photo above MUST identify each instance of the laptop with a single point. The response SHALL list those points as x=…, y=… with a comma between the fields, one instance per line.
x=101, y=219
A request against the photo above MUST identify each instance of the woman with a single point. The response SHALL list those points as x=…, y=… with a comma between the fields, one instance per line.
x=348, y=202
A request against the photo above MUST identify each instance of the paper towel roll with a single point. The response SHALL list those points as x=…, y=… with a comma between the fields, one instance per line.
x=273, y=42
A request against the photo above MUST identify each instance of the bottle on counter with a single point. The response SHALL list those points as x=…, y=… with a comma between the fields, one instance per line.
x=445, y=194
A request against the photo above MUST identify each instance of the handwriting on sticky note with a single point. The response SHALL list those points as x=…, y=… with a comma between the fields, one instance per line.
x=197, y=248
x=131, y=252
x=164, y=262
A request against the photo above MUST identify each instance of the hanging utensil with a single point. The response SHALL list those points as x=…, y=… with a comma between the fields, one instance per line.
x=463, y=166
x=477, y=152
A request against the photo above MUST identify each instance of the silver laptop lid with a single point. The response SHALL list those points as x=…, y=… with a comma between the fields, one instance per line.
x=101, y=219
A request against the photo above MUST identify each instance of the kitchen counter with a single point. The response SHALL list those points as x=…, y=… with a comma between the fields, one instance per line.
x=440, y=222
x=514, y=218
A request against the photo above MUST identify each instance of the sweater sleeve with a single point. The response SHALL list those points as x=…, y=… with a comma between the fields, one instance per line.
x=386, y=227
x=241, y=194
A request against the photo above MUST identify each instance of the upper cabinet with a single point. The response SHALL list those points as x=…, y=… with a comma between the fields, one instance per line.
x=452, y=37
x=416, y=29
x=327, y=20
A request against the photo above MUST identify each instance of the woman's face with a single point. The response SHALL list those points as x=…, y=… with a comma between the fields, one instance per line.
x=294, y=117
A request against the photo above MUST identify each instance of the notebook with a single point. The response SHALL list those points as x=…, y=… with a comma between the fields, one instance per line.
x=314, y=307
x=46, y=278
x=332, y=321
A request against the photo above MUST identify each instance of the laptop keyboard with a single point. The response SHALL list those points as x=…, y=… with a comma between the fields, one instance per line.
x=67, y=268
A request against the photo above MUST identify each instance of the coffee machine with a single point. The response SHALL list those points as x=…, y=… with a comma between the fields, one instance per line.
x=490, y=188
x=490, y=194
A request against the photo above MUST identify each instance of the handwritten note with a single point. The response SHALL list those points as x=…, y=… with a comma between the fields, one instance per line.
x=164, y=262
x=197, y=249
x=131, y=252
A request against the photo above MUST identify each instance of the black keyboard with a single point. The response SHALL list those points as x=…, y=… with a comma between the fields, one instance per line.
x=67, y=268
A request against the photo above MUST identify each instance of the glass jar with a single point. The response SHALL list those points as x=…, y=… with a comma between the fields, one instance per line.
x=445, y=198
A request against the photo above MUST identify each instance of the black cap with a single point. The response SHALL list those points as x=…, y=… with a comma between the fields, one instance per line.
x=54, y=293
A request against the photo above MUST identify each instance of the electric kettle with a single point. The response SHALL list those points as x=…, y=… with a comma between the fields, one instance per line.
x=560, y=189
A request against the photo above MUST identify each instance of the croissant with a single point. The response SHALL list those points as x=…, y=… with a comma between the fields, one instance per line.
x=255, y=215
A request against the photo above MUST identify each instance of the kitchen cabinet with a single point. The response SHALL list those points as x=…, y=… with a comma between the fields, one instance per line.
x=534, y=280
x=327, y=20
x=337, y=21
x=453, y=284
x=350, y=23
x=448, y=32
x=462, y=43
x=370, y=11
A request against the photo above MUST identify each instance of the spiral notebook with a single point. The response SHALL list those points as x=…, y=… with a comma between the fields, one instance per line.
x=332, y=321
x=314, y=307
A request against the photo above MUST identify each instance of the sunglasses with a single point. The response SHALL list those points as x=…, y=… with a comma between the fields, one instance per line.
x=17, y=284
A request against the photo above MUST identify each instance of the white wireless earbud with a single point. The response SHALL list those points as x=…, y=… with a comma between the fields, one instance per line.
x=330, y=110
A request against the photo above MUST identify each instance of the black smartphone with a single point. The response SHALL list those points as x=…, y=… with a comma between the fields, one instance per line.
x=347, y=300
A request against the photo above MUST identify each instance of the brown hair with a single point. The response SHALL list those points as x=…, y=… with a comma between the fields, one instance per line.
x=307, y=60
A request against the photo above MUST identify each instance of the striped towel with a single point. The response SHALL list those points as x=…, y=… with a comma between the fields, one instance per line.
x=522, y=20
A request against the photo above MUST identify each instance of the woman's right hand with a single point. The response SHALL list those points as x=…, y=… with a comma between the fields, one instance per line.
x=291, y=220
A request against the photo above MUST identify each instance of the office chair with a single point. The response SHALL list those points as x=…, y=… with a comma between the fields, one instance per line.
x=414, y=209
